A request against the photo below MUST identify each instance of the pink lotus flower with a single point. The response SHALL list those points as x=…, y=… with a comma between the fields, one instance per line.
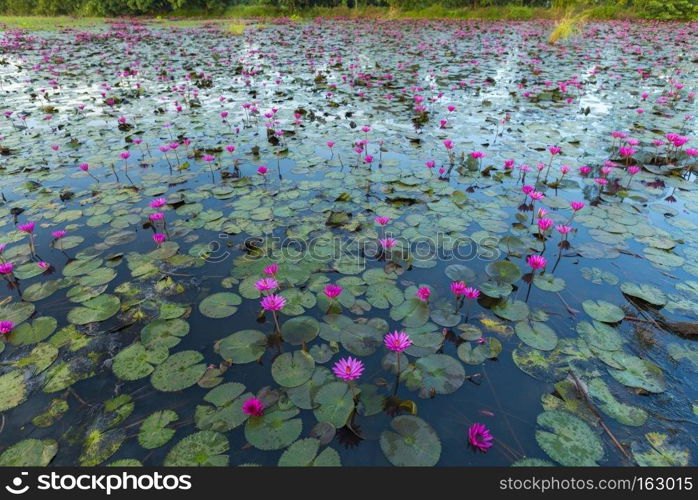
x=27, y=228
x=332, y=291
x=253, y=407
x=554, y=150
x=382, y=221
x=57, y=235
x=266, y=284
x=348, y=368
x=262, y=170
x=43, y=265
x=273, y=302
x=584, y=170
x=458, y=288
x=480, y=437
x=159, y=238
x=448, y=144
x=388, y=243
x=536, y=262
x=477, y=154
x=6, y=268
x=509, y=164
x=537, y=195
x=626, y=151
x=330, y=144
x=577, y=205
x=430, y=163
x=6, y=327
x=397, y=341
x=271, y=269
x=527, y=189
x=84, y=167
x=158, y=203
x=230, y=148
x=544, y=224
x=157, y=216
x=471, y=293
x=125, y=155
x=633, y=170
x=423, y=293
x=208, y=158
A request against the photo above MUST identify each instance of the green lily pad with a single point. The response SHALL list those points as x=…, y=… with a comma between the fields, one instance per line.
x=603, y=311
x=411, y=443
x=220, y=305
x=435, y=373
x=16, y=312
x=568, y=440
x=513, y=310
x=31, y=333
x=274, y=430
x=504, y=271
x=336, y=404
x=201, y=449
x=445, y=317
x=13, y=389
x=477, y=354
x=165, y=333
x=292, y=369
x=100, y=445
x=304, y=453
x=241, y=347
x=549, y=283
x=643, y=291
x=638, y=373
x=600, y=335
x=29, y=453
x=179, y=371
x=136, y=361
x=384, y=294
x=659, y=452
x=154, y=432
x=608, y=404
x=226, y=413
x=98, y=309
x=459, y=272
x=300, y=330
x=363, y=339
x=537, y=335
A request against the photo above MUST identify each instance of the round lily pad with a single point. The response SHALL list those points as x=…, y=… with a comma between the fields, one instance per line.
x=136, y=361
x=98, y=309
x=13, y=389
x=164, y=332
x=274, y=430
x=568, y=440
x=411, y=443
x=31, y=333
x=220, y=305
x=513, y=310
x=435, y=374
x=29, y=453
x=537, y=335
x=600, y=335
x=179, y=371
x=304, y=453
x=504, y=271
x=300, y=330
x=201, y=449
x=639, y=373
x=335, y=402
x=603, y=311
x=292, y=369
x=154, y=432
x=643, y=291
x=244, y=346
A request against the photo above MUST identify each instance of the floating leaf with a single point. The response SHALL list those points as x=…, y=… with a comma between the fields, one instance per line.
x=179, y=371
x=31, y=333
x=300, y=330
x=603, y=311
x=29, y=453
x=412, y=444
x=568, y=440
x=513, y=310
x=648, y=293
x=600, y=335
x=304, y=453
x=607, y=403
x=201, y=449
x=154, y=432
x=660, y=452
x=503, y=271
x=244, y=346
x=136, y=361
x=638, y=373
x=438, y=373
x=336, y=404
x=13, y=389
x=292, y=369
x=98, y=309
x=226, y=413
x=220, y=305
x=537, y=335
x=274, y=430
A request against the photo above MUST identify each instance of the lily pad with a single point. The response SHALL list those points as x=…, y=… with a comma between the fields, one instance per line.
x=603, y=311
x=300, y=330
x=643, y=291
x=336, y=404
x=98, y=309
x=274, y=430
x=154, y=432
x=201, y=449
x=29, y=453
x=537, y=335
x=638, y=373
x=292, y=369
x=411, y=443
x=568, y=440
x=244, y=346
x=220, y=305
x=179, y=371
x=435, y=373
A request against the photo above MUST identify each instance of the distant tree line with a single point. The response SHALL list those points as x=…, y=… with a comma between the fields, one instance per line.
x=660, y=9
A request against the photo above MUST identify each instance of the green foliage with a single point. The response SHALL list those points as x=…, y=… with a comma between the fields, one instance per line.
x=414, y=9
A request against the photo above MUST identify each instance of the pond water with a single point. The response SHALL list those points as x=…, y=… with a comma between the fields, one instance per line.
x=126, y=350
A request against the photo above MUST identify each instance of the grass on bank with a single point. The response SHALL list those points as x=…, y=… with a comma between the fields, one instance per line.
x=34, y=23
